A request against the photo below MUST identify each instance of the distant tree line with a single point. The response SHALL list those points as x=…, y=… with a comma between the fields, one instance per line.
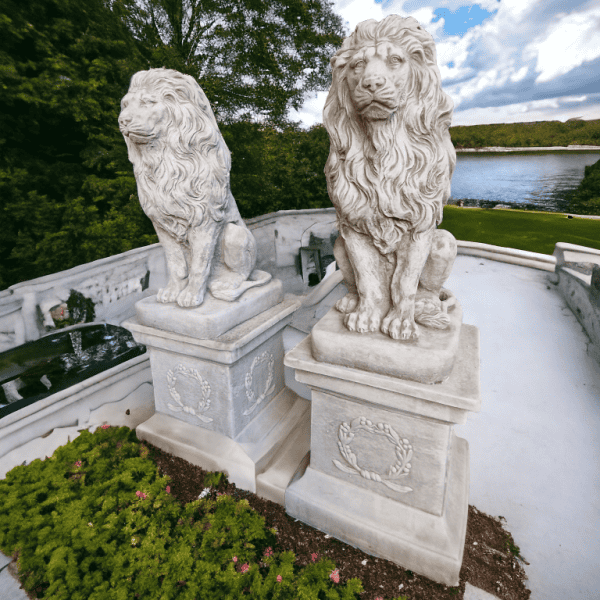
x=541, y=133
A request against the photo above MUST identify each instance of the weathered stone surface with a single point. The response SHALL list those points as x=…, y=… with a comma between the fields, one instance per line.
x=388, y=177
x=259, y=459
x=427, y=544
x=222, y=403
x=428, y=359
x=387, y=473
x=182, y=177
x=214, y=317
x=219, y=384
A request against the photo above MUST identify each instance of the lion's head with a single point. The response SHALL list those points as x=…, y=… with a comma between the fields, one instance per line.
x=180, y=159
x=391, y=158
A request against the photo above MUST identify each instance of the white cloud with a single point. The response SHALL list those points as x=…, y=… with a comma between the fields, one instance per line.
x=311, y=112
x=574, y=98
x=354, y=12
x=495, y=62
x=550, y=109
x=520, y=74
x=572, y=40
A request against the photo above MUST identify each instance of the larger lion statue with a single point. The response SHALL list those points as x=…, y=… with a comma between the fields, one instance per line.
x=181, y=165
x=388, y=176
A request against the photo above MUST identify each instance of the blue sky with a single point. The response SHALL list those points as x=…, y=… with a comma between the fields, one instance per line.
x=502, y=61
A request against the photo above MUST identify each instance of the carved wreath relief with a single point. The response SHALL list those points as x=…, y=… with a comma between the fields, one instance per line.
x=403, y=449
x=265, y=357
x=201, y=384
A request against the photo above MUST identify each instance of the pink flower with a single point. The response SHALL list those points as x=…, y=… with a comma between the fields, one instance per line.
x=335, y=576
x=279, y=578
x=245, y=567
x=141, y=495
x=379, y=598
x=105, y=426
x=235, y=559
x=314, y=556
x=269, y=551
x=168, y=489
x=78, y=463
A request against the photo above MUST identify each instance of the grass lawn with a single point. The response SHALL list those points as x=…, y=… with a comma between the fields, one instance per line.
x=521, y=229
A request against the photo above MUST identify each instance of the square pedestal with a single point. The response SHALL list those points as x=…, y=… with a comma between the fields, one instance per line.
x=387, y=474
x=222, y=403
x=429, y=359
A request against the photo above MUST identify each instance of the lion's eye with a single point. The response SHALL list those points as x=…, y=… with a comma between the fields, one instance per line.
x=359, y=64
x=395, y=60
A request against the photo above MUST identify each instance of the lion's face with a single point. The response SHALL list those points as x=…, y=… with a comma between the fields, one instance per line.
x=377, y=77
x=144, y=116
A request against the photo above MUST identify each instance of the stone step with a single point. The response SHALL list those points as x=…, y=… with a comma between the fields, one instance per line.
x=291, y=461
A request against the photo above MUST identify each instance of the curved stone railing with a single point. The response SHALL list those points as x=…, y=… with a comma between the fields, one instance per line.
x=578, y=278
x=117, y=282
x=114, y=284
x=524, y=258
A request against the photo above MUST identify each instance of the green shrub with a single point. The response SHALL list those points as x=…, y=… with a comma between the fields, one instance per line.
x=95, y=521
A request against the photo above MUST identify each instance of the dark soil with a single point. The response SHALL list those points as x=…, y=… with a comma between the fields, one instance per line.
x=491, y=559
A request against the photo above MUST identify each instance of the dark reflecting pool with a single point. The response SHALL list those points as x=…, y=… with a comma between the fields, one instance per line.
x=57, y=361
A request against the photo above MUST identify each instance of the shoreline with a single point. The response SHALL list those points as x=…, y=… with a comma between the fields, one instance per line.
x=498, y=149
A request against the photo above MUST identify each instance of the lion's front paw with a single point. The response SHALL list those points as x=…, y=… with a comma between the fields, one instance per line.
x=190, y=296
x=400, y=326
x=347, y=304
x=363, y=320
x=169, y=293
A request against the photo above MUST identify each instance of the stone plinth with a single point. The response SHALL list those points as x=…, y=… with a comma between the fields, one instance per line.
x=428, y=360
x=213, y=317
x=386, y=473
x=221, y=403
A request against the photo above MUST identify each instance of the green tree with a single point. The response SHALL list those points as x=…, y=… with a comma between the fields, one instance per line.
x=63, y=164
x=277, y=169
x=254, y=59
x=585, y=200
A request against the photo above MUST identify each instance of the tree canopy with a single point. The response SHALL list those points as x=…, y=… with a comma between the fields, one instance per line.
x=253, y=58
x=65, y=66
x=67, y=190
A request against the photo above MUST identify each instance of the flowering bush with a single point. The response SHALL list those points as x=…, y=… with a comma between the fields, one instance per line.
x=116, y=532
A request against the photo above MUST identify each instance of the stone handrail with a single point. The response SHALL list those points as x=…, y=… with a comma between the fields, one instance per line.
x=117, y=282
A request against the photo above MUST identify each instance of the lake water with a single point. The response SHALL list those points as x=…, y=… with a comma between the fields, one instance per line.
x=538, y=181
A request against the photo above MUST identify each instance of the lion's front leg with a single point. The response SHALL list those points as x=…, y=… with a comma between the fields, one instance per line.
x=371, y=280
x=201, y=242
x=411, y=256
x=176, y=266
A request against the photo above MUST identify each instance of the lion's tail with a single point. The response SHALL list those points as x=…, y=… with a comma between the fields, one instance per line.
x=435, y=314
x=228, y=293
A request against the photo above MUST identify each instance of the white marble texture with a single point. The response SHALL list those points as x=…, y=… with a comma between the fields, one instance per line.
x=183, y=184
x=386, y=472
x=388, y=177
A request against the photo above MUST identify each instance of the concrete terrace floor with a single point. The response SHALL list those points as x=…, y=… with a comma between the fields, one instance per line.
x=535, y=445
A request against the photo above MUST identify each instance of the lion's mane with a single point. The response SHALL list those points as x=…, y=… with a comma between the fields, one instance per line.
x=185, y=178
x=389, y=178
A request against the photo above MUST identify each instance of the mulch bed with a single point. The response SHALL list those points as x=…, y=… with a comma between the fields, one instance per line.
x=491, y=559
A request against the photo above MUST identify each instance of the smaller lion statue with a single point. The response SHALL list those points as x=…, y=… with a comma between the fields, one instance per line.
x=181, y=165
x=388, y=177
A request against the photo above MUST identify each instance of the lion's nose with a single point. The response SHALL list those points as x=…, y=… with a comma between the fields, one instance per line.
x=373, y=83
x=124, y=120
